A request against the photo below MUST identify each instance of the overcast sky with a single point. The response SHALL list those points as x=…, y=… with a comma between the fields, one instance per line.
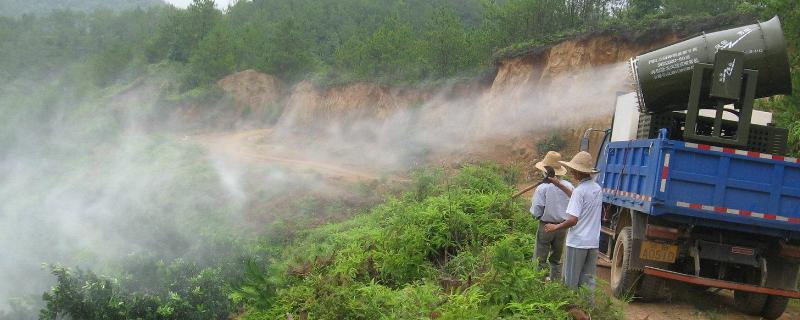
x=222, y=4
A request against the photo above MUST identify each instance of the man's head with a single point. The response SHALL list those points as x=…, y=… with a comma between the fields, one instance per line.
x=552, y=159
x=579, y=176
x=581, y=166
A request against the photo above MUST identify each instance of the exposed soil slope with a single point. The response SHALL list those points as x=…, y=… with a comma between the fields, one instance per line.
x=255, y=94
x=559, y=90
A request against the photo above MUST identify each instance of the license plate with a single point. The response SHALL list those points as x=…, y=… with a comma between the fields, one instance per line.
x=658, y=251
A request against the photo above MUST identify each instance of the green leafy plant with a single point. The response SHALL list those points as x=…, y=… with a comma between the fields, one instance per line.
x=178, y=290
x=461, y=252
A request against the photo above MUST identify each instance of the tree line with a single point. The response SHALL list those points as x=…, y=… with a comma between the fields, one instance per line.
x=333, y=41
x=16, y=8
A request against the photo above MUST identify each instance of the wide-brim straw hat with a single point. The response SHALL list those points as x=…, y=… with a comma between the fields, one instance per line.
x=553, y=160
x=581, y=162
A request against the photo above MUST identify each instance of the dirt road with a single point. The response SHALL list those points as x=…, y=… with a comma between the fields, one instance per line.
x=253, y=146
x=692, y=306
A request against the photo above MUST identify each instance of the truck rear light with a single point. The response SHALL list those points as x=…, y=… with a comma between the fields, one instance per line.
x=659, y=232
x=743, y=251
x=789, y=251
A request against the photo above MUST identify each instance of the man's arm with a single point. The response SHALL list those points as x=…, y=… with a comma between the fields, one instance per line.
x=556, y=182
x=537, y=205
x=571, y=221
x=574, y=209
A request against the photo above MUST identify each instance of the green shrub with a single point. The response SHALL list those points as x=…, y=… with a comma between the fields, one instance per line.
x=463, y=251
x=552, y=143
x=179, y=290
x=456, y=248
x=427, y=182
x=481, y=178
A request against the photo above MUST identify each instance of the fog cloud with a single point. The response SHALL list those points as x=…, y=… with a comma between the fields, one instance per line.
x=87, y=181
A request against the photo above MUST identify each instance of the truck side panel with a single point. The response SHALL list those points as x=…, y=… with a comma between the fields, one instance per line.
x=628, y=177
x=753, y=189
x=700, y=184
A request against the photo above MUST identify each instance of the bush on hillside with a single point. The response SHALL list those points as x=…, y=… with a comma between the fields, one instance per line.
x=463, y=251
x=453, y=247
x=182, y=291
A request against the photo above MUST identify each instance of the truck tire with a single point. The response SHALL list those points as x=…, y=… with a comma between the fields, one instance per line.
x=652, y=288
x=774, y=307
x=749, y=303
x=782, y=274
x=623, y=276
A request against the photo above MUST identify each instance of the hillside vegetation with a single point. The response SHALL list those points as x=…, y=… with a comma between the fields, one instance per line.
x=453, y=247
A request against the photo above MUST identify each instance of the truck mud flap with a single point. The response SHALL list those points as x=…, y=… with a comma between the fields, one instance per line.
x=661, y=273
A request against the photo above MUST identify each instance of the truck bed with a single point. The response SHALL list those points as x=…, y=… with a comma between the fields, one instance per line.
x=704, y=185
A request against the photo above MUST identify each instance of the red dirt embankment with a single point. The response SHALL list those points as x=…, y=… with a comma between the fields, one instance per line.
x=560, y=90
x=255, y=94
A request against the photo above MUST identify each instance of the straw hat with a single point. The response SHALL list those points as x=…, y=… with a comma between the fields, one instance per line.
x=581, y=162
x=552, y=159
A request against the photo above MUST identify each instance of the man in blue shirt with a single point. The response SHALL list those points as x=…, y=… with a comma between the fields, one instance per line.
x=549, y=205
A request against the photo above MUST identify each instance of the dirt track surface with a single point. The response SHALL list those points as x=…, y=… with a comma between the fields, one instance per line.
x=693, y=306
x=251, y=146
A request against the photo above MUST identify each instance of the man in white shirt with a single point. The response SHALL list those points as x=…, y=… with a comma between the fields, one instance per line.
x=584, y=210
x=549, y=205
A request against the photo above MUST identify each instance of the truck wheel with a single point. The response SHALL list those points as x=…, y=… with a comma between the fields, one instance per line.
x=652, y=288
x=623, y=276
x=748, y=302
x=782, y=274
x=774, y=307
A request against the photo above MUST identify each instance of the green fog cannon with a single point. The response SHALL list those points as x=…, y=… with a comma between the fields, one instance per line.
x=715, y=71
x=663, y=76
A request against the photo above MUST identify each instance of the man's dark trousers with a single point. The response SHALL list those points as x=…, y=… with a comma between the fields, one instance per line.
x=549, y=248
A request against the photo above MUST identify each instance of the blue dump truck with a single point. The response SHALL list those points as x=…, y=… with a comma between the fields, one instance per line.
x=697, y=184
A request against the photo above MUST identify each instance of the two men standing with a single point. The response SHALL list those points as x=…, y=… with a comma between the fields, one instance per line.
x=581, y=217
